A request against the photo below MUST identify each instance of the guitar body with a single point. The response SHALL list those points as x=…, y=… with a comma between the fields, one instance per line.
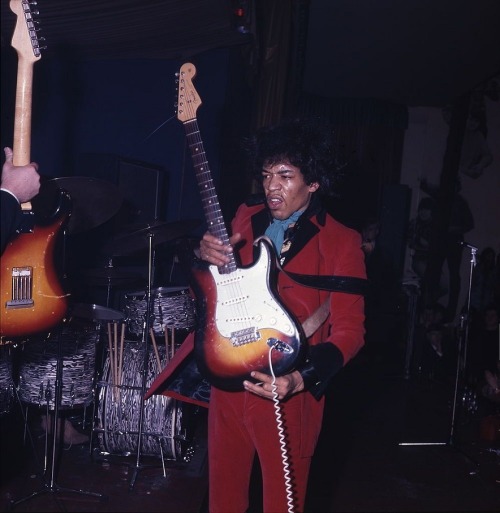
x=33, y=299
x=242, y=323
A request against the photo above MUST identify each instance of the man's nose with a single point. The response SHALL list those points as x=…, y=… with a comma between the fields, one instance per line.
x=274, y=183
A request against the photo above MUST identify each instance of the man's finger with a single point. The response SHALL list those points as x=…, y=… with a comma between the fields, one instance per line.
x=8, y=154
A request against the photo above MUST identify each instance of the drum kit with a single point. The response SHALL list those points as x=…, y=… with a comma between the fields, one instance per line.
x=105, y=356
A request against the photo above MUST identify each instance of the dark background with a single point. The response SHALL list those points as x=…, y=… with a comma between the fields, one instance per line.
x=104, y=91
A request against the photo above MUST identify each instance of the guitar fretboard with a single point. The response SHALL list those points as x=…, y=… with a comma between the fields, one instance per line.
x=210, y=202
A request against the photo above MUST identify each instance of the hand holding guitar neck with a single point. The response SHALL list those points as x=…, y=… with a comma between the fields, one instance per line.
x=214, y=251
x=21, y=181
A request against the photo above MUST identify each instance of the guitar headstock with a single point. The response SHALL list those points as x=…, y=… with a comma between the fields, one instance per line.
x=188, y=100
x=25, y=39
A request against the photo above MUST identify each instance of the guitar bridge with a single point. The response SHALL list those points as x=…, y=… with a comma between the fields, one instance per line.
x=22, y=288
x=246, y=336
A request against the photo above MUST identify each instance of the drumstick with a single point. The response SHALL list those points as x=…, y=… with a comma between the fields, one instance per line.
x=173, y=342
x=151, y=332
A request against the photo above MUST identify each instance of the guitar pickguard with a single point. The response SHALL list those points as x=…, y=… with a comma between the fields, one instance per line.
x=245, y=304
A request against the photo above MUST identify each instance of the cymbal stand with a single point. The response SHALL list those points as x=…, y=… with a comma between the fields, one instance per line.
x=52, y=486
x=145, y=345
x=108, y=285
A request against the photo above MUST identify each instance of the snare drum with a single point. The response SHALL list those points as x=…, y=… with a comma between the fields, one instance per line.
x=167, y=430
x=38, y=366
x=171, y=307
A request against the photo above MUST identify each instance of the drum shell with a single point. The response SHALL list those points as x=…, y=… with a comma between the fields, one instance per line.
x=170, y=308
x=38, y=366
x=167, y=423
x=6, y=380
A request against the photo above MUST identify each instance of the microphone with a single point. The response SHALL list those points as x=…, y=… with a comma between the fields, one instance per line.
x=466, y=244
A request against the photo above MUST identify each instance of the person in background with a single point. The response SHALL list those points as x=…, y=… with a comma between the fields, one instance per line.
x=483, y=281
x=484, y=358
x=460, y=223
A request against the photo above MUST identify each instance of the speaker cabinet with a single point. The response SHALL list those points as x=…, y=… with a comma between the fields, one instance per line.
x=142, y=185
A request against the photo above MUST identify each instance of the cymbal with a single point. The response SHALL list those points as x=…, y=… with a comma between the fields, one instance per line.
x=94, y=201
x=139, y=238
x=96, y=312
x=110, y=275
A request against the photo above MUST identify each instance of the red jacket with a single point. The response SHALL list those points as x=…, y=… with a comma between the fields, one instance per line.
x=321, y=246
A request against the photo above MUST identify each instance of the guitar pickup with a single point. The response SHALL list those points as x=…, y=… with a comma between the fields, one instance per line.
x=22, y=285
x=246, y=336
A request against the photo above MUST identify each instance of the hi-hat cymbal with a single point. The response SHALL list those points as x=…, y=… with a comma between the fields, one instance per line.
x=94, y=201
x=159, y=232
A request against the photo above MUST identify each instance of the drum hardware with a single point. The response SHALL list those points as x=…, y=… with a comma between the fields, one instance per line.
x=52, y=486
x=109, y=276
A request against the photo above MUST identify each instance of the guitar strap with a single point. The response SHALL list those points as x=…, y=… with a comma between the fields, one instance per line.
x=316, y=319
x=348, y=284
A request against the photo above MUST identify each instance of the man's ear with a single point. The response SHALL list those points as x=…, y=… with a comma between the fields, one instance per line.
x=313, y=187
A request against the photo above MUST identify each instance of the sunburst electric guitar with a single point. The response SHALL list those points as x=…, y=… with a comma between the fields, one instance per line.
x=32, y=297
x=241, y=321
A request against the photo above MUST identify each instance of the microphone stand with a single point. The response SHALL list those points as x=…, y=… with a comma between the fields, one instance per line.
x=460, y=365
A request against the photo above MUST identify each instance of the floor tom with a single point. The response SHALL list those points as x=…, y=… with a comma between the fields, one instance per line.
x=38, y=366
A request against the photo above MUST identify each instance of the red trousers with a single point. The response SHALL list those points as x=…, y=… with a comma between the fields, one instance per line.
x=241, y=424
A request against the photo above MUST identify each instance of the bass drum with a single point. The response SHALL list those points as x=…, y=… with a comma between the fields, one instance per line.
x=167, y=430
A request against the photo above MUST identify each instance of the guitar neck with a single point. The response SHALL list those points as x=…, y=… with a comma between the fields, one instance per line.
x=22, y=121
x=210, y=202
x=26, y=44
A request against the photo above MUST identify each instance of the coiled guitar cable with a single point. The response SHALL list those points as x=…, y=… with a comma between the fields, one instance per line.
x=282, y=440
